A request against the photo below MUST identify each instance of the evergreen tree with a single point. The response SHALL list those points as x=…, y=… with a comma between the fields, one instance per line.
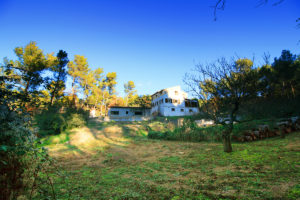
x=129, y=89
x=56, y=84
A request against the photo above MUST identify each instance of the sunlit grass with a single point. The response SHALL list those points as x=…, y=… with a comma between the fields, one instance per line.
x=116, y=161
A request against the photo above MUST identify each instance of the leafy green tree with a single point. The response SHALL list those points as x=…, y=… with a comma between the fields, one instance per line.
x=31, y=63
x=77, y=69
x=24, y=76
x=129, y=89
x=108, y=89
x=143, y=101
x=111, y=82
x=223, y=87
x=95, y=85
x=284, y=71
x=56, y=84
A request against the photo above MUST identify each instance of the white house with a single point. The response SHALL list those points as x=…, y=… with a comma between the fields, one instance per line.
x=173, y=102
x=118, y=113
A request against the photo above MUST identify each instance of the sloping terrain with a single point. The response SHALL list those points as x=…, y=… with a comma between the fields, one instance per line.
x=117, y=161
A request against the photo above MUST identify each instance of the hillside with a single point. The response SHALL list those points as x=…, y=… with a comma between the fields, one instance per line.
x=117, y=161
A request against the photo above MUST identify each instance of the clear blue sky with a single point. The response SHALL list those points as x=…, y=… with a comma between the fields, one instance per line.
x=151, y=42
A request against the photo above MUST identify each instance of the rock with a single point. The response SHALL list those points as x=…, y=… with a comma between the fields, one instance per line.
x=256, y=133
x=263, y=127
x=248, y=138
x=288, y=130
x=282, y=123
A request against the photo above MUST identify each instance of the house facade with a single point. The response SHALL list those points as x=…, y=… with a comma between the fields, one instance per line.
x=167, y=102
x=173, y=102
x=118, y=113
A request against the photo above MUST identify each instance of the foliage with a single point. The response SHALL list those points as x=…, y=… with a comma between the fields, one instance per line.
x=129, y=89
x=24, y=166
x=53, y=122
x=111, y=82
x=30, y=64
x=77, y=69
x=75, y=118
x=56, y=84
x=143, y=101
x=223, y=87
x=190, y=131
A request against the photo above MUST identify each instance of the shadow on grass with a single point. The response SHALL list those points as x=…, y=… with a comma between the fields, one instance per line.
x=98, y=135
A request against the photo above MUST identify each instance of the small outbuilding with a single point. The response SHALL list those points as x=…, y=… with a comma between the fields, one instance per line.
x=118, y=113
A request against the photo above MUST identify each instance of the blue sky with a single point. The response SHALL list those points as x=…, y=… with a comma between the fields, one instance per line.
x=151, y=42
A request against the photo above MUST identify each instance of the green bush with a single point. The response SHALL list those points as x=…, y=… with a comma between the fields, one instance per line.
x=188, y=132
x=22, y=161
x=156, y=135
x=191, y=132
x=75, y=120
x=52, y=122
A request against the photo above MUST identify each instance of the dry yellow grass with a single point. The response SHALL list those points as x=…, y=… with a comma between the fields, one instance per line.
x=88, y=141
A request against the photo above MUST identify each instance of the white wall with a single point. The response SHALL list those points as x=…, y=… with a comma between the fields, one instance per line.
x=131, y=111
x=160, y=106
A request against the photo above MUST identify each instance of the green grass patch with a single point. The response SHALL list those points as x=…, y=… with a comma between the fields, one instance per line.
x=159, y=169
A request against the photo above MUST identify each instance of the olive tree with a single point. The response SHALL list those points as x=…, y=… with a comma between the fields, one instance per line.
x=222, y=87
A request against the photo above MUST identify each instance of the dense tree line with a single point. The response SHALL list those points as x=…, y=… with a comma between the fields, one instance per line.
x=42, y=79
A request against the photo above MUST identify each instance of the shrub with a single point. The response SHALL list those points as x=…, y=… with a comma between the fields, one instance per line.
x=52, y=122
x=22, y=162
x=75, y=120
x=156, y=135
x=188, y=132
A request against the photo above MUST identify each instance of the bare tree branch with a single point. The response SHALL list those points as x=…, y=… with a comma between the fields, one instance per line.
x=220, y=5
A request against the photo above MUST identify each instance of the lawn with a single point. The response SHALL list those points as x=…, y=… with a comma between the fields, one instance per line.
x=117, y=161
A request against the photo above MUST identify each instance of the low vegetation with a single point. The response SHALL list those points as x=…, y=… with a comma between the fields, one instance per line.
x=53, y=121
x=242, y=132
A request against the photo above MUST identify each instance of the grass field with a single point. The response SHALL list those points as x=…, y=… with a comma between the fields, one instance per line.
x=117, y=161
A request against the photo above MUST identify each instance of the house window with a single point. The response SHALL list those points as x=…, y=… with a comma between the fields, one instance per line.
x=176, y=92
x=138, y=113
x=173, y=109
x=126, y=112
x=182, y=110
x=114, y=112
x=190, y=110
x=175, y=101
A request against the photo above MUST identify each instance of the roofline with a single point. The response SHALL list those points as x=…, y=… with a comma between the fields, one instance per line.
x=168, y=88
x=157, y=92
x=130, y=107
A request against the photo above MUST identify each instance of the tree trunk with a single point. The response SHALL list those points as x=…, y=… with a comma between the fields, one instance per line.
x=26, y=88
x=227, y=143
x=73, y=93
x=51, y=100
x=293, y=90
x=229, y=127
x=54, y=92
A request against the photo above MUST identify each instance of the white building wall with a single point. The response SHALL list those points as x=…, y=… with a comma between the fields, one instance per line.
x=177, y=108
x=128, y=114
